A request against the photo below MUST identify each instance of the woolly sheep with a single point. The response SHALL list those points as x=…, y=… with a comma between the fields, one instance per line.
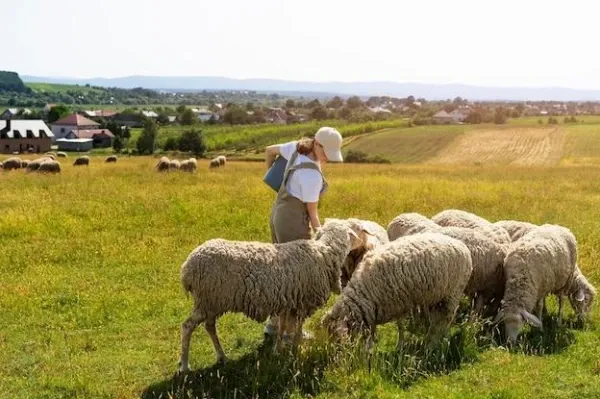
x=371, y=235
x=35, y=164
x=407, y=224
x=12, y=163
x=428, y=271
x=174, y=164
x=24, y=163
x=222, y=160
x=50, y=155
x=189, y=165
x=49, y=166
x=542, y=262
x=458, y=218
x=515, y=228
x=260, y=280
x=111, y=159
x=214, y=163
x=62, y=155
x=487, y=280
x=163, y=164
x=83, y=160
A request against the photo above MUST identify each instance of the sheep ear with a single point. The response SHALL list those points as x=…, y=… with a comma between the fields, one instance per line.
x=366, y=229
x=534, y=321
x=580, y=296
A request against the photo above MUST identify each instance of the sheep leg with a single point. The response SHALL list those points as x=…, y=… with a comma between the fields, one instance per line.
x=211, y=328
x=281, y=329
x=441, y=317
x=297, y=333
x=400, y=343
x=561, y=300
x=539, y=308
x=187, y=328
x=479, y=304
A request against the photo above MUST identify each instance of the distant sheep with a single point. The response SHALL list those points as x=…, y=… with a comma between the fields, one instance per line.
x=50, y=155
x=163, y=164
x=458, y=218
x=515, y=229
x=24, y=164
x=189, y=165
x=111, y=159
x=35, y=164
x=83, y=160
x=62, y=155
x=174, y=164
x=222, y=160
x=49, y=167
x=214, y=163
x=12, y=163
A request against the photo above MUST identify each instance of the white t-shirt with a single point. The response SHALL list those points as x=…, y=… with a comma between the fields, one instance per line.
x=304, y=184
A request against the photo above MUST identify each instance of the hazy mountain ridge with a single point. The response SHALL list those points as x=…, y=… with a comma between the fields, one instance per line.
x=376, y=88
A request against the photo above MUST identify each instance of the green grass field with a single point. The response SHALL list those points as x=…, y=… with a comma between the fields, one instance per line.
x=59, y=88
x=91, y=303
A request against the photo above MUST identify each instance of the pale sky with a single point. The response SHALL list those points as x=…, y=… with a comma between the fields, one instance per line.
x=500, y=43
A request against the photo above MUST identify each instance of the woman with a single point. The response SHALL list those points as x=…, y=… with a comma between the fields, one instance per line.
x=296, y=207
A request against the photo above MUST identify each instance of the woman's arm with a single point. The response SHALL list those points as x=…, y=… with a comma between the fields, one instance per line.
x=313, y=213
x=271, y=153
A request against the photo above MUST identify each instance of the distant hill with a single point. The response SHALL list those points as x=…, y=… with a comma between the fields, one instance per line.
x=10, y=81
x=428, y=91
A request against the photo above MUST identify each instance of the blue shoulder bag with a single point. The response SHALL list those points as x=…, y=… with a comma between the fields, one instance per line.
x=274, y=176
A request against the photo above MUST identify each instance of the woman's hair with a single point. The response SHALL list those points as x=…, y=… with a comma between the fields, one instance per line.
x=305, y=146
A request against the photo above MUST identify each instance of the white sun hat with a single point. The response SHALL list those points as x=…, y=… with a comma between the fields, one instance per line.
x=331, y=140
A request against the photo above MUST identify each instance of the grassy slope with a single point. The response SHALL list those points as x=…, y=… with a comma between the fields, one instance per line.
x=60, y=88
x=91, y=303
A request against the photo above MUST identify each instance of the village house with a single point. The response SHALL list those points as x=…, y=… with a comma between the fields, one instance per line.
x=12, y=113
x=20, y=136
x=443, y=118
x=129, y=120
x=62, y=127
x=100, y=137
x=99, y=114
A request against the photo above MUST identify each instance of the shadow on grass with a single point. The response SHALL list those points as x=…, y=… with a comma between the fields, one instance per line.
x=261, y=373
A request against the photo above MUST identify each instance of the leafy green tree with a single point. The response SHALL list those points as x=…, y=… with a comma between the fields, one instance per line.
x=171, y=144
x=145, y=144
x=163, y=118
x=319, y=113
x=187, y=117
x=354, y=102
x=58, y=112
x=126, y=133
x=336, y=102
x=290, y=104
x=500, y=116
x=313, y=104
x=192, y=141
x=118, y=144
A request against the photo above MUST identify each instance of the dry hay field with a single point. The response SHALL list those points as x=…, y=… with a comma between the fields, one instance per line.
x=91, y=304
x=485, y=145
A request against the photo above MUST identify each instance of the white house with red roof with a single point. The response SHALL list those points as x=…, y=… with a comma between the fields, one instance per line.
x=62, y=127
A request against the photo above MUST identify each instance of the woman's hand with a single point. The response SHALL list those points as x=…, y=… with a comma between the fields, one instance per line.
x=313, y=213
x=271, y=152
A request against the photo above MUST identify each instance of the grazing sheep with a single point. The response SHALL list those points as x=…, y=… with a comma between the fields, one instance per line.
x=515, y=229
x=487, y=281
x=163, y=164
x=428, y=271
x=24, y=164
x=111, y=159
x=174, y=164
x=189, y=165
x=62, y=155
x=458, y=218
x=542, y=262
x=214, y=163
x=50, y=155
x=371, y=235
x=35, y=164
x=12, y=163
x=49, y=166
x=407, y=224
x=222, y=160
x=83, y=160
x=290, y=280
